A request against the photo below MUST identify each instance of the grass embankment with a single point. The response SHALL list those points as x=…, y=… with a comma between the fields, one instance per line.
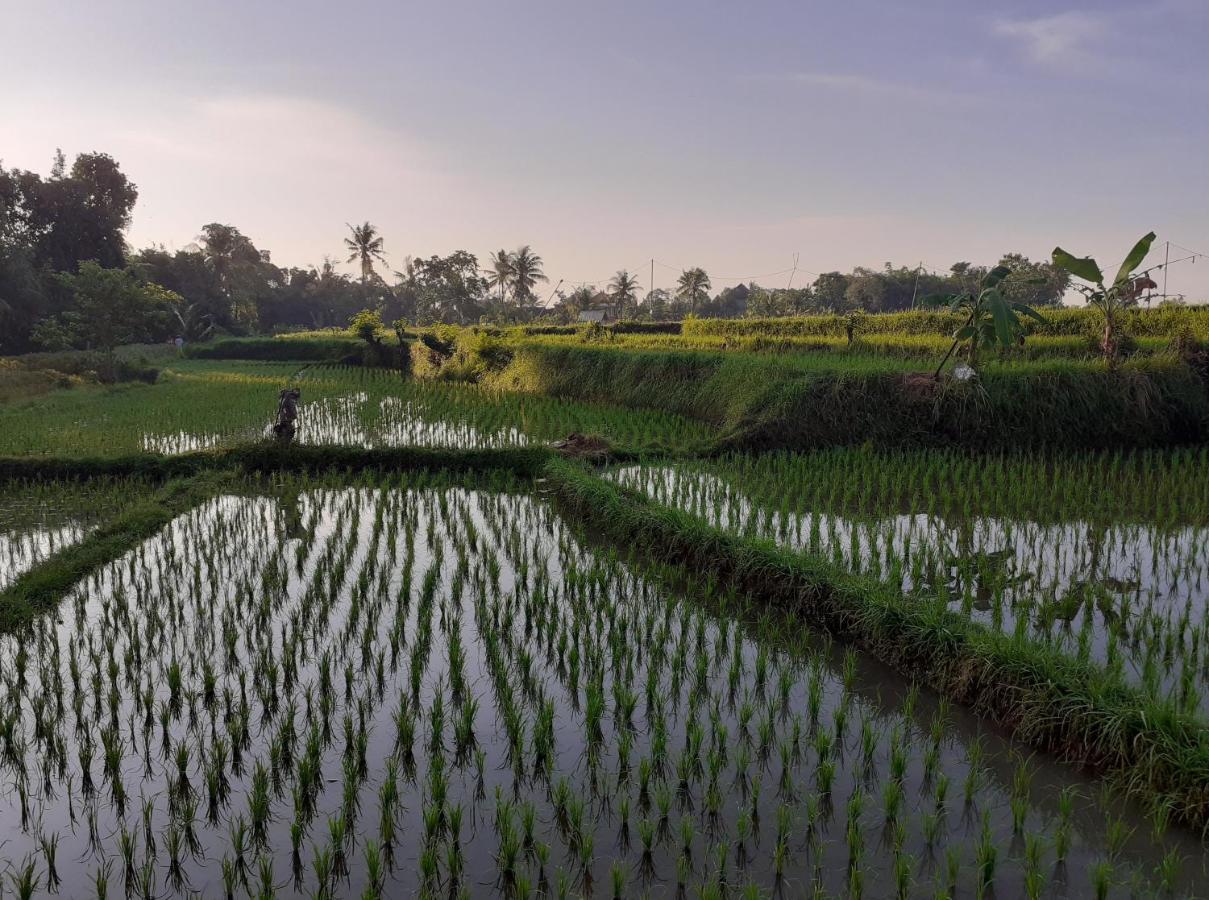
x=1164, y=322
x=269, y=457
x=923, y=348
x=759, y=402
x=328, y=346
x=1049, y=700
x=34, y=374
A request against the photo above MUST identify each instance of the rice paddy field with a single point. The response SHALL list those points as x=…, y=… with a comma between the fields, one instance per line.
x=1125, y=583
x=417, y=679
x=418, y=686
x=40, y=518
x=199, y=404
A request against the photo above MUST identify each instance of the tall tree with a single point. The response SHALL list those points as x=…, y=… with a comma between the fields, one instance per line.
x=526, y=273
x=52, y=225
x=623, y=291
x=1034, y=283
x=693, y=287
x=110, y=307
x=364, y=247
x=830, y=291
x=500, y=273
x=657, y=305
x=84, y=214
x=243, y=274
x=445, y=288
x=568, y=306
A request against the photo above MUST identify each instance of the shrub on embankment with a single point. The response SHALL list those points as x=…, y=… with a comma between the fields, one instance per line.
x=760, y=402
x=1054, y=702
x=276, y=349
x=330, y=347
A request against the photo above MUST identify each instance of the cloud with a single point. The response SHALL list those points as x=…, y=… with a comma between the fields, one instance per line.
x=864, y=86
x=1058, y=39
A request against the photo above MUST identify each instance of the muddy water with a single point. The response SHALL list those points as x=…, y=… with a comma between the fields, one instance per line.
x=289, y=626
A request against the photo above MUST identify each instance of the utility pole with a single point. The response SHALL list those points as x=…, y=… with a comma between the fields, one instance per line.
x=915, y=289
x=793, y=272
x=1166, y=260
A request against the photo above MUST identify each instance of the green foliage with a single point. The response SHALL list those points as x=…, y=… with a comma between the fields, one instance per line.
x=988, y=316
x=1124, y=290
x=329, y=348
x=368, y=326
x=51, y=225
x=110, y=307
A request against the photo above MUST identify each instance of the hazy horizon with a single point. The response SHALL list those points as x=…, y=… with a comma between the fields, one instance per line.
x=725, y=137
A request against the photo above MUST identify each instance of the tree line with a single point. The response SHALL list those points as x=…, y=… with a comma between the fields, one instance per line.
x=69, y=279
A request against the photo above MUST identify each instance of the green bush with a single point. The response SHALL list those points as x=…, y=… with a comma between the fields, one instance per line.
x=278, y=349
x=92, y=365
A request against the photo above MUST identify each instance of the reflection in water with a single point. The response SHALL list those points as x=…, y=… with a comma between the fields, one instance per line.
x=1131, y=595
x=181, y=442
x=444, y=686
x=21, y=550
x=353, y=419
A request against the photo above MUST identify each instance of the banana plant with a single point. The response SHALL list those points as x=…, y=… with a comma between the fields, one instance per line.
x=195, y=323
x=1124, y=289
x=990, y=317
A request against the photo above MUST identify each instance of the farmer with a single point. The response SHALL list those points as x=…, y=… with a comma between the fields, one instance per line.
x=287, y=412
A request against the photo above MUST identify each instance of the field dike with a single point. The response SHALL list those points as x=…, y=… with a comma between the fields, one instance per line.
x=1052, y=702
x=271, y=458
x=767, y=403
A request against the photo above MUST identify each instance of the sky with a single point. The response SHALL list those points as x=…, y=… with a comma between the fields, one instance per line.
x=735, y=136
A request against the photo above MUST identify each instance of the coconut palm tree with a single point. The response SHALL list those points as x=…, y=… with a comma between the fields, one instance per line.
x=693, y=286
x=500, y=272
x=526, y=273
x=623, y=290
x=365, y=246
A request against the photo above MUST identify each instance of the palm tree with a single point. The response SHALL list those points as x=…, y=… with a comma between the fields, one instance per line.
x=501, y=272
x=526, y=272
x=365, y=246
x=623, y=290
x=693, y=286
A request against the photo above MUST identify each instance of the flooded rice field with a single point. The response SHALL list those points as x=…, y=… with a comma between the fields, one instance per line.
x=1130, y=595
x=38, y=520
x=355, y=419
x=201, y=404
x=421, y=687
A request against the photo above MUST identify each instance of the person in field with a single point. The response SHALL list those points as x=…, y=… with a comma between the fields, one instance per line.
x=287, y=413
